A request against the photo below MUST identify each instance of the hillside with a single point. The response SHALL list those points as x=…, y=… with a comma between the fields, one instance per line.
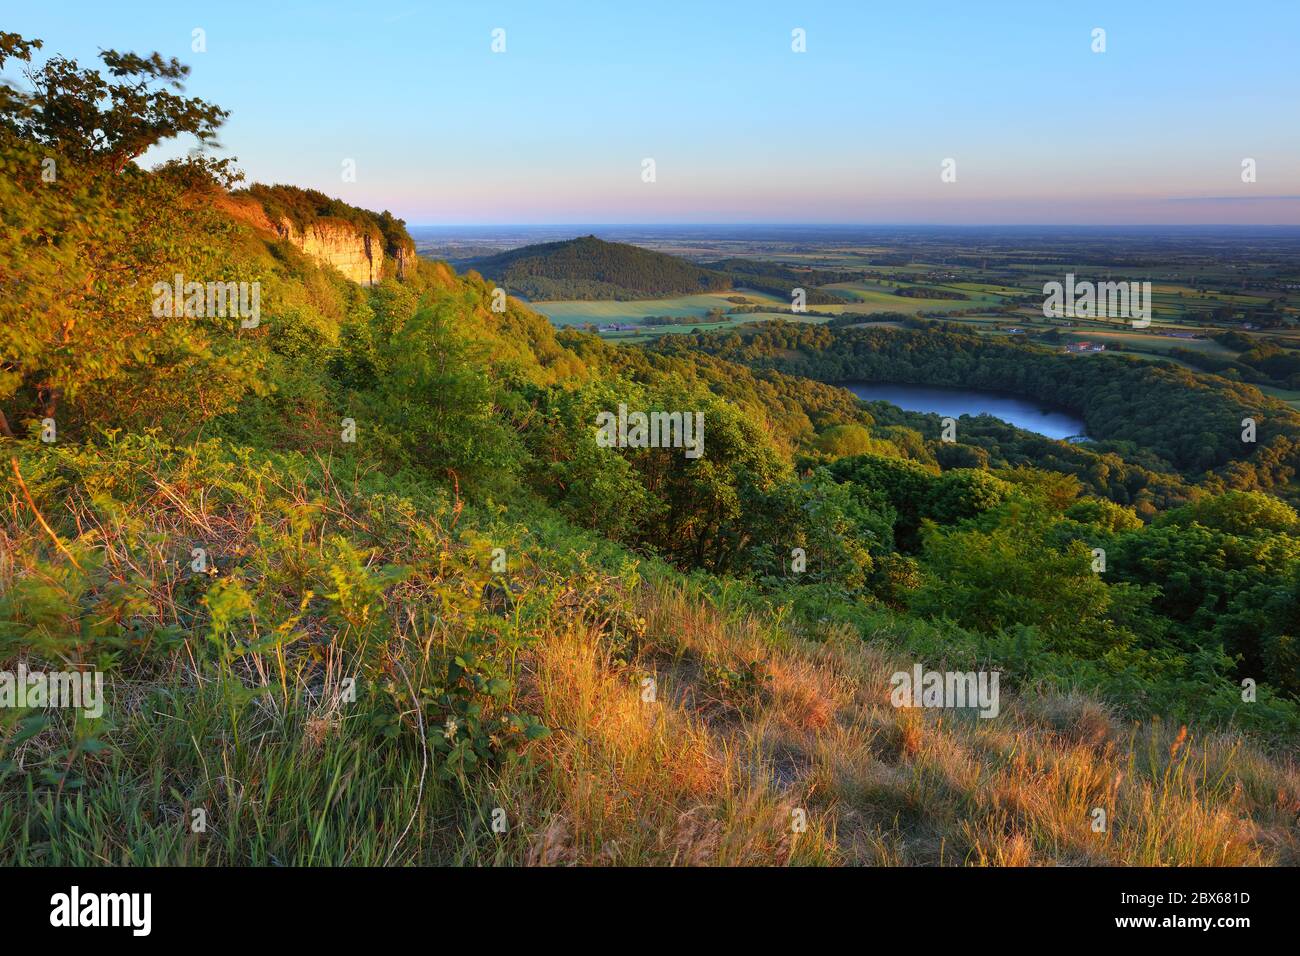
x=330, y=559
x=590, y=268
x=363, y=245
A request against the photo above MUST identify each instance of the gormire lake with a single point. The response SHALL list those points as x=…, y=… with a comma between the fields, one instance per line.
x=1022, y=412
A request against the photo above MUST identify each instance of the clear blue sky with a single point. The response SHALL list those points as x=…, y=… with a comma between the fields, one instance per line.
x=741, y=128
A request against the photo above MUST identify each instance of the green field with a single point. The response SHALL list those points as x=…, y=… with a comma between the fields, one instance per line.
x=1288, y=395
x=651, y=331
x=689, y=307
x=870, y=296
x=1185, y=293
x=1138, y=341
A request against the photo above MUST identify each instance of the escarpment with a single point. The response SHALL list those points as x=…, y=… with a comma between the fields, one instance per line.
x=358, y=254
x=362, y=245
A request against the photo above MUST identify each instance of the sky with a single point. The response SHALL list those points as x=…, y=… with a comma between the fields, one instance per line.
x=741, y=128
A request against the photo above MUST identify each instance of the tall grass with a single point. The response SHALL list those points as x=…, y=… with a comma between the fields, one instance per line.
x=581, y=708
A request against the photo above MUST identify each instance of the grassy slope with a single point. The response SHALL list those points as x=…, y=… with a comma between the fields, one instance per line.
x=753, y=719
x=341, y=573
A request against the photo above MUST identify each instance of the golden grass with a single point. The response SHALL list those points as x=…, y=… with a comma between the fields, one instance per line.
x=635, y=782
x=759, y=747
x=684, y=781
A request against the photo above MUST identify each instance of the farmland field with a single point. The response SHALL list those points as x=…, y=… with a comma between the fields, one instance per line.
x=871, y=297
x=689, y=307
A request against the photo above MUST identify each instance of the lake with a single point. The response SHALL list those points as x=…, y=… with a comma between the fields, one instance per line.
x=954, y=402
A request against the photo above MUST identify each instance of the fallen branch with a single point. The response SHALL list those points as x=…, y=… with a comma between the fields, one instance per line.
x=39, y=517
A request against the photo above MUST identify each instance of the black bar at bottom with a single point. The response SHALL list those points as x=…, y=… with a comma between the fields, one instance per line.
x=332, y=906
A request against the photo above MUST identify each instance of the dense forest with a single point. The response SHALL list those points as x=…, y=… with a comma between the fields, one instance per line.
x=1157, y=414
x=398, y=490
x=590, y=268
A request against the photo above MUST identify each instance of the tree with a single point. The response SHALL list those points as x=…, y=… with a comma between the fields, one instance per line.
x=843, y=441
x=86, y=118
x=1006, y=575
x=439, y=406
x=84, y=240
x=1237, y=512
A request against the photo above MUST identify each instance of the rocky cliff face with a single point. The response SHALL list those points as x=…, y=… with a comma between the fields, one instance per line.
x=357, y=254
x=405, y=259
x=352, y=250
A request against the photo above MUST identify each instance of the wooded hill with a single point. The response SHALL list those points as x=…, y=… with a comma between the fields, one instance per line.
x=590, y=268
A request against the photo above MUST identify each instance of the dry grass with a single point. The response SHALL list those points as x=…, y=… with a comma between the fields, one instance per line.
x=632, y=781
x=759, y=747
x=685, y=781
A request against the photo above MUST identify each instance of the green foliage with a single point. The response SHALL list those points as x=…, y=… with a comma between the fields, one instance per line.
x=1131, y=453
x=596, y=487
x=99, y=122
x=1236, y=512
x=1052, y=489
x=917, y=494
x=964, y=493
x=78, y=343
x=992, y=577
x=436, y=406
x=841, y=529
x=1103, y=514
x=1233, y=592
x=844, y=441
x=590, y=268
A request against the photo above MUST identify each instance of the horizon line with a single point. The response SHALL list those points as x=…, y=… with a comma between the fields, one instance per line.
x=858, y=225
